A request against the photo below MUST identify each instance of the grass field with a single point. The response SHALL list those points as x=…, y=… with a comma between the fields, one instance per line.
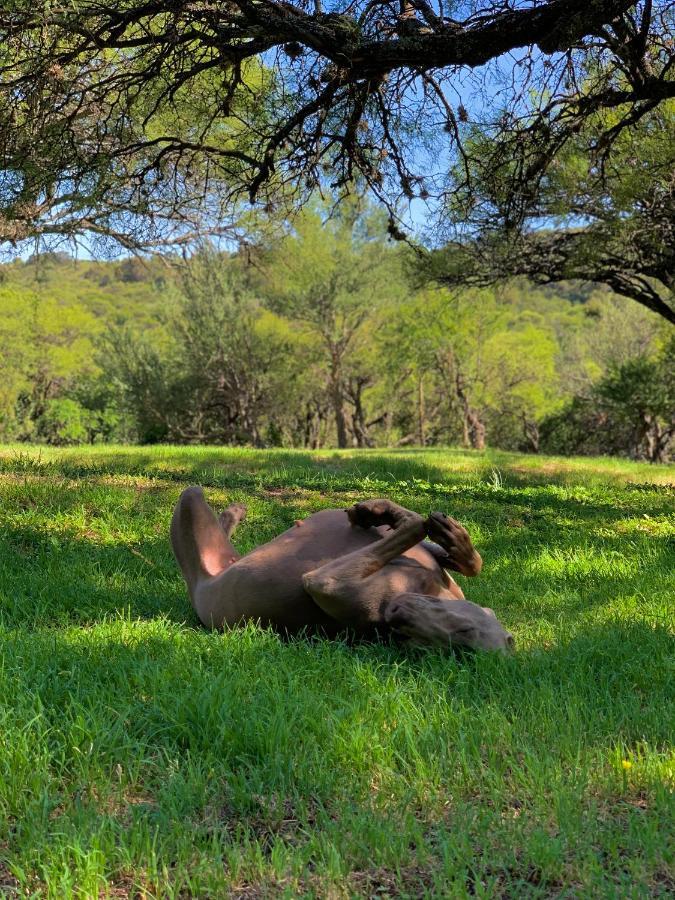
x=142, y=756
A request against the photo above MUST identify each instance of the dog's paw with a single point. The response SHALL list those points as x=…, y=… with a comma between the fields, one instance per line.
x=370, y=513
x=454, y=539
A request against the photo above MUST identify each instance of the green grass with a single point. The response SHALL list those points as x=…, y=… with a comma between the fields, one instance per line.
x=142, y=756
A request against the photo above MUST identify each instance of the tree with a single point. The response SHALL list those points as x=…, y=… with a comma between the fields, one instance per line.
x=641, y=397
x=470, y=368
x=16, y=338
x=218, y=369
x=48, y=345
x=167, y=114
x=613, y=215
x=630, y=411
x=332, y=277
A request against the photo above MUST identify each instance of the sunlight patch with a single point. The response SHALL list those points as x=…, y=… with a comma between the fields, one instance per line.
x=580, y=561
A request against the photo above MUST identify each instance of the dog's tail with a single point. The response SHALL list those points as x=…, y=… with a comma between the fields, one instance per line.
x=199, y=543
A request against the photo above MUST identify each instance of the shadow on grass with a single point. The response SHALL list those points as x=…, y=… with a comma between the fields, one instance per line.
x=415, y=474
x=311, y=717
x=218, y=466
x=54, y=580
x=300, y=485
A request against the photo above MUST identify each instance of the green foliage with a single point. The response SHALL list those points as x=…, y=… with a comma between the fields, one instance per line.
x=128, y=167
x=334, y=278
x=147, y=383
x=632, y=407
x=488, y=363
x=314, y=339
x=598, y=206
x=56, y=314
x=63, y=421
x=219, y=370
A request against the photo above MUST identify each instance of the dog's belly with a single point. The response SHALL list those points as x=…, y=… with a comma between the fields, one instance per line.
x=270, y=577
x=281, y=600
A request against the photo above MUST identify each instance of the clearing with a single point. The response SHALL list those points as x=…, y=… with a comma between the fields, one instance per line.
x=141, y=756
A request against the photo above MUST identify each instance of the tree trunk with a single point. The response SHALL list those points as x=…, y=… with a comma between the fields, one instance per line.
x=340, y=418
x=465, y=430
x=359, y=424
x=473, y=428
x=476, y=431
x=314, y=417
x=337, y=396
x=309, y=428
x=655, y=439
x=421, y=412
x=531, y=433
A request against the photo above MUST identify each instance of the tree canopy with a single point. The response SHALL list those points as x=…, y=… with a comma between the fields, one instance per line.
x=590, y=216
x=150, y=120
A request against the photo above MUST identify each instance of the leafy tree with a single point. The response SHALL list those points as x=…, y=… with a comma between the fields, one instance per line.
x=113, y=142
x=168, y=113
x=146, y=378
x=609, y=193
x=471, y=367
x=49, y=345
x=640, y=397
x=218, y=372
x=332, y=277
x=630, y=410
x=16, y=339
x=63, y=421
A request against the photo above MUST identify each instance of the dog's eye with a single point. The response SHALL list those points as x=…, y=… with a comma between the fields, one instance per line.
x=465, y=632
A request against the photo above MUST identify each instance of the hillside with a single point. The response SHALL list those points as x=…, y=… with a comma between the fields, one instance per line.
x=139, y=351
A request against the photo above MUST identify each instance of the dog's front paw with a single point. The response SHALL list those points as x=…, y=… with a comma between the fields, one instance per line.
x=454, y=539
x=370, y=513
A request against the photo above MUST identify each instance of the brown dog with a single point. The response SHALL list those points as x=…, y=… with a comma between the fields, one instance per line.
x=366, y=569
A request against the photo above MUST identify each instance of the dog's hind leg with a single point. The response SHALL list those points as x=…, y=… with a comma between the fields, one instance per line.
x=231, y=518
x=201, y=548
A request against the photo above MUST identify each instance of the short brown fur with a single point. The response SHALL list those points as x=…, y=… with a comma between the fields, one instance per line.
x=367, y=569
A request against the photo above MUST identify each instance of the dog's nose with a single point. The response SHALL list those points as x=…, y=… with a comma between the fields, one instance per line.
x=510, y=641
x=391, y=612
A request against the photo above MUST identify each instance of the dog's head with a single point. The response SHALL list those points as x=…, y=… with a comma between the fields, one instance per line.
x=439, y=623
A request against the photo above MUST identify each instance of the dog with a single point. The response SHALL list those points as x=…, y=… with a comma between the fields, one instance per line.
x=367, y=570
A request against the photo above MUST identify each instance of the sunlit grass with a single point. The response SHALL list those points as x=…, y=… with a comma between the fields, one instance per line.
x=140, y=755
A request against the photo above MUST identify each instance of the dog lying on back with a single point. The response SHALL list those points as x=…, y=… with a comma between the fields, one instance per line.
x=367, y=569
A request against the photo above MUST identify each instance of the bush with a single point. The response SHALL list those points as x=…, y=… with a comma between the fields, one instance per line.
x=64, y=421
x=630, y=412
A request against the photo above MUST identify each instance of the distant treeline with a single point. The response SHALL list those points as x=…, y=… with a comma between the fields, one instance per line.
x=325, y=339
